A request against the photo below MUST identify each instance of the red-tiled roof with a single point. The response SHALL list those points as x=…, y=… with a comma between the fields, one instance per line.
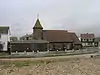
x=87, y=35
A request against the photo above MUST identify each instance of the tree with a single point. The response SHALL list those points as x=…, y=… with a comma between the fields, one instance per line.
x=1, y=47
x=9, y=48
x=13, y=38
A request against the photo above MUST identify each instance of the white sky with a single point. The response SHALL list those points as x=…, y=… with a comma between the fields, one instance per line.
x=81, y=16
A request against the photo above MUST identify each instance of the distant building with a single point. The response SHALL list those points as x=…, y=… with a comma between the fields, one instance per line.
x=47, y=40
x=97, y=40
x=27, y=37
x=13, y=38
x=88, y=40
x=4, y=38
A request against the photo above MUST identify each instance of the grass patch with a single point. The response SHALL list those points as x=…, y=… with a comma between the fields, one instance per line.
x=16, y=63
x=22, y=63
x=67, y=54
x=4, y=54
x=7, y=64
x=49, y=54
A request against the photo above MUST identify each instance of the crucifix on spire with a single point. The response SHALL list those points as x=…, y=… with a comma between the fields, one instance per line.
x=37, y=16
x=37, y=23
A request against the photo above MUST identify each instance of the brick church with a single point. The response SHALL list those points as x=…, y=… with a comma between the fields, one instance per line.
x=44, y=40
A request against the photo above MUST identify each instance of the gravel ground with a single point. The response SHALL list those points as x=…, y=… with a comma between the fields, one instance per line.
x=81, y=66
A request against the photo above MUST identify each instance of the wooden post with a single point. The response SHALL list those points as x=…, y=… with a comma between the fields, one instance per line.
x=48, y=50
x=25, y=52
x=9, y=48
x=65, y=50
x=47, y=46
x=37, y=51
x=16, y=52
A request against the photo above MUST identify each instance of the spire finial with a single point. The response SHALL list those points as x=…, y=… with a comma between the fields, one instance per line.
x=37, y=16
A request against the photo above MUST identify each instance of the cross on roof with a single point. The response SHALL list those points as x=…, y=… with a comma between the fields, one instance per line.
x=37, y=16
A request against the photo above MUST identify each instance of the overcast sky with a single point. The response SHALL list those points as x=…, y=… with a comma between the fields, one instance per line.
x=80, y=16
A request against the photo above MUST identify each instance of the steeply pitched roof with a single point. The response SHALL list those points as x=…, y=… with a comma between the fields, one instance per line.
x=60, y=36
x=38, y=25
x=75, y=38
x=56, y=36
x=4, y=29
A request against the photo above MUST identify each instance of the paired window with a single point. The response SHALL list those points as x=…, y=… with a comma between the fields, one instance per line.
x=83, y=39
x=87, y=39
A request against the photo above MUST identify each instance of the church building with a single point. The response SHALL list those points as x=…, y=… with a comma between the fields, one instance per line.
x=44, y=40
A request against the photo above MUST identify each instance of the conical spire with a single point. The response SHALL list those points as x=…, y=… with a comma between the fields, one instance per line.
x=38, y=24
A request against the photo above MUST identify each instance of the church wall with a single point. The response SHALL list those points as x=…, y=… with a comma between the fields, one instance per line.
x=60, y=46
x=29, y=47
x=37, y=34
